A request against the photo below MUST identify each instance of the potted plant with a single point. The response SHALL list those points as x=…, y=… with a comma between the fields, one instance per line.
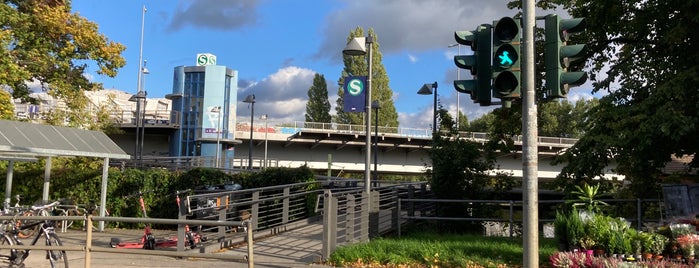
x=575, y=228
x=646, y=244
x=658, y=244
x=560, y=230
x=627, y=244
x=598, y=227
x=587, y=244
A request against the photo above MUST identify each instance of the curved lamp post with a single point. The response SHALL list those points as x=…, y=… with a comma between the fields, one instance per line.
x=251, y=100
x=360, y=46
x=426, y=89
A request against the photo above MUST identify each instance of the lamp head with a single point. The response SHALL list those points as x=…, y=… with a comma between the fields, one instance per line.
x=426, y=89
x=355, y=47
x=250, y=99
x=375, y=104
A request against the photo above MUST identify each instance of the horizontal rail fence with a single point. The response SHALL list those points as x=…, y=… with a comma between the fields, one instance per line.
x=637, y=211
x=348, y=218
x=269, y=208
x=88, y=247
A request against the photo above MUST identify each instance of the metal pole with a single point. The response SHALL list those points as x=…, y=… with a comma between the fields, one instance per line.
x=376, y=145
x=434, y=111
x=252, y=118
x=143, y=131
x=530, y=160
x=138, y=85
x=218, y=139
x=265, y=164
x=138, y=127
x=458, y=74
x=367, y=164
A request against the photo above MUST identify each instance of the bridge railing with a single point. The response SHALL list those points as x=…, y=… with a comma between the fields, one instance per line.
x=293, y=127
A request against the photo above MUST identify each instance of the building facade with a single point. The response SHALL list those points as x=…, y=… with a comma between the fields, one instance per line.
x=205, y=98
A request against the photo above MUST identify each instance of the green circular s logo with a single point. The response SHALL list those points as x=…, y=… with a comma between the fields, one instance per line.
x=355, y=87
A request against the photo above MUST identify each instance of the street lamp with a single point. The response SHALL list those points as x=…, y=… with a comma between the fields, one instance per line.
x=250, y=99
x=217, y=110
x=458, y=77
x=426, y=89
x=375, y=105
x=144, y=72
x=264, y=117
x=138, y=98
x=360, y=46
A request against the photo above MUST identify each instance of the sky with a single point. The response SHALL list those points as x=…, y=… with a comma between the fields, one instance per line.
x=278, y=46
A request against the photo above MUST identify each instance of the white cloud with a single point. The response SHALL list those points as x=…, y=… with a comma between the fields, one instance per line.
x=412, y=58
x=282, y=95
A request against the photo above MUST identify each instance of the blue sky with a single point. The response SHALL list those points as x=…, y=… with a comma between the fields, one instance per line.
x=277, y=46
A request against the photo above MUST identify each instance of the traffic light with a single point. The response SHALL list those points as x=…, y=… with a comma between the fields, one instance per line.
x=558, y=55
x=506, y=59
x=479, y=64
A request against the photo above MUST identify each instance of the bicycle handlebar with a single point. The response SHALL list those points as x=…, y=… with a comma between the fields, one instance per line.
x=43, y=207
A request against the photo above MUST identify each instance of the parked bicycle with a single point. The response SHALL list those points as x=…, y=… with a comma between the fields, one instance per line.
x=47, y=233
x=22, y=210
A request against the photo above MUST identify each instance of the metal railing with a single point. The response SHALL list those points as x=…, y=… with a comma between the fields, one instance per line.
x=294, y=127
x=349, y=219
x=88, y=248
x=427, y=211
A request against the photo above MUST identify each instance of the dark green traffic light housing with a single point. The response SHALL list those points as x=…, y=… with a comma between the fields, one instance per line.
x=478, y=63
x=506, y=58
x=559, y=54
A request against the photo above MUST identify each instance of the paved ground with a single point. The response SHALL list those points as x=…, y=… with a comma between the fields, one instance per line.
x=295, y=248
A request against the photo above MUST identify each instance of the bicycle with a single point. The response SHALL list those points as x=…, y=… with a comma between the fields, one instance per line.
x=68, y=210
x=57, y=258
x=21, y=210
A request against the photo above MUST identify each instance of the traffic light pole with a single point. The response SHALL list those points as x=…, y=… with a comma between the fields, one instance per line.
x=530, y=161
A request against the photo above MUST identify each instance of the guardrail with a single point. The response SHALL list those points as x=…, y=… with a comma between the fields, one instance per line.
x=293, y=127
x=88, y=248
x=409, y=213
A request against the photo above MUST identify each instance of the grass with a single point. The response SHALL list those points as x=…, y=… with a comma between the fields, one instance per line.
x=439, y=250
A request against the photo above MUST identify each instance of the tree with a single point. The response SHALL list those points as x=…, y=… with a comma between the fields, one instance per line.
x=355, y=65
x=42, y=41
x=460, y=170
x=7, y=111
x=318, y=106
x=644, y=54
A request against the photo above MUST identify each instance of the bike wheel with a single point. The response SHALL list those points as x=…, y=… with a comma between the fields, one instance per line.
x=29, y=232
x=57, y=258
x=7, y=254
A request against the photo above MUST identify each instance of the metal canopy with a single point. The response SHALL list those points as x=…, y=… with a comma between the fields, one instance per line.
x=22, y=140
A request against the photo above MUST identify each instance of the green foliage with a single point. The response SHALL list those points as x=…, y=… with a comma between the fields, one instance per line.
x=380, y=90
x=588, y=198
x=45, y=42
x=434, y=250
x=575, y=229
x=318, y=106
x=275, y=176
x=459, y=171
x=648, y=76
x=658, y=243
x=79, y=180
x=560, y=229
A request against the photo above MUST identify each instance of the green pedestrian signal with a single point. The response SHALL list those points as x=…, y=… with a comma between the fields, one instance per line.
x=558, y=55
x=478, y=63
x=506, y=59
